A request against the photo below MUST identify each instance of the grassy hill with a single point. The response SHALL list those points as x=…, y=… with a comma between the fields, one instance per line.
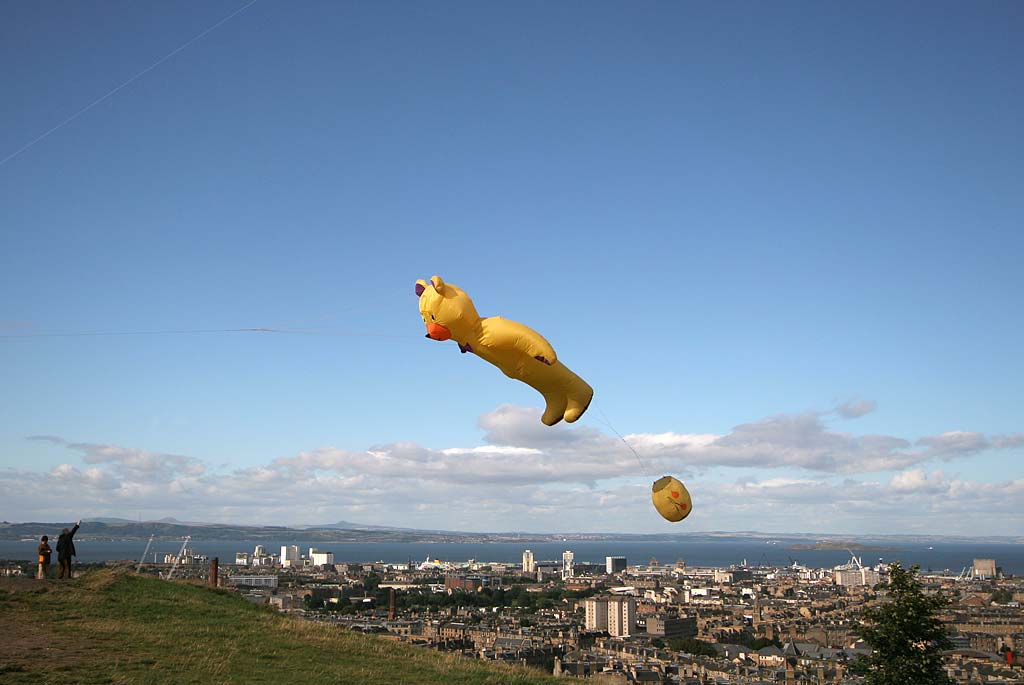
x=111, y=626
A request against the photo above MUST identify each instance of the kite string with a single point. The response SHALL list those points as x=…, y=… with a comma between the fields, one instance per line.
x=624, y=441
x=298, y=329
x=121, y=87
x=193, y=331
x=82, y=334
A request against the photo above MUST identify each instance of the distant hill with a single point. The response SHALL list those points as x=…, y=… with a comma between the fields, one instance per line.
x=348, y=525
x=112, y=626
x=346, y=531
x=135, y=530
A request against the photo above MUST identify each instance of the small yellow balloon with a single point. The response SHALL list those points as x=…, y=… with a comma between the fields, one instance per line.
x=671, y=499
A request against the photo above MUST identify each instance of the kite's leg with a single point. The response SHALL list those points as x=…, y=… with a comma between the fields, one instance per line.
x=555, y=408
x=576, y=405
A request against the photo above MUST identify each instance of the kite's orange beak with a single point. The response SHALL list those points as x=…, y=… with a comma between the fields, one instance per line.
x=436, y=331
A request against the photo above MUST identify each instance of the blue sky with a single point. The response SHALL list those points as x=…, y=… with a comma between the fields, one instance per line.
x=719, y=214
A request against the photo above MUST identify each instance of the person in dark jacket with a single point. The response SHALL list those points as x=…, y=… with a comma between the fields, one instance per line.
x=44, y=558
x=66, y=550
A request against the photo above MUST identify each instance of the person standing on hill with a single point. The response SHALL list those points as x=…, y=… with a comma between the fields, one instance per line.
x=44, y=558
x=66, y=550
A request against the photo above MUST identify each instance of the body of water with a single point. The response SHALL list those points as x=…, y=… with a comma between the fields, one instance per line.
x=937, y=557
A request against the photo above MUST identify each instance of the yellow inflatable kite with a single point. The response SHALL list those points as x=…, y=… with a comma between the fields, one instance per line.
x=671, y=499
x=520, y=352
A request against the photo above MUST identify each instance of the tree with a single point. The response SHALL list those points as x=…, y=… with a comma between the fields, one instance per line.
x=905, y=633
x=1002, y=596
x=762, y=642
x=691, y=646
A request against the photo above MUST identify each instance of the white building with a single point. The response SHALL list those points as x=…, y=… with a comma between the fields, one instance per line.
x=260, y=551
x=188, y=556
x=723, y=576
x=529, y=564
x=567, y=558
x=253, y=581
x=290, y=555
x=318, y=558
x=242, y=558
x=856, y=576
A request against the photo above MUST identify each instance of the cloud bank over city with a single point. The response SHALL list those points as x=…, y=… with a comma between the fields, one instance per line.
x=526, y=476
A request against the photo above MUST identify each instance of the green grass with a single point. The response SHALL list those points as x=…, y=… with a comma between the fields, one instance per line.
x=115, y=627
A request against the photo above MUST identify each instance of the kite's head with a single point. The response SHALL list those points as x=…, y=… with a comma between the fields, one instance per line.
x=671, y=498
x=446, y=310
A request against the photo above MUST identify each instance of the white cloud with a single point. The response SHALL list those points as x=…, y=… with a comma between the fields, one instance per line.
x=912, y=501
x=531, y=477
x=918, y=480
x=954, y=443
x=491, y=449
x=521, y=426
x=129, y=460
x=855, y=409
x=1008, y=441
x=786, y=440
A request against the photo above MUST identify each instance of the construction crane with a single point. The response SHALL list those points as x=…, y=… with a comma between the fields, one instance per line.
x=144, y=553
x=177, y=559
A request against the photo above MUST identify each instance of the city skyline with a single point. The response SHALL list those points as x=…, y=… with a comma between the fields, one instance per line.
x=781, y=242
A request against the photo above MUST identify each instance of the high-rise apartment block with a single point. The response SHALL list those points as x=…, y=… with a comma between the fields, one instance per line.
x=529, y=564
x=567, y=558
x=616, y=614
x=621, y=616
x=596, y=609
x=290, y=555
x=614, y=565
